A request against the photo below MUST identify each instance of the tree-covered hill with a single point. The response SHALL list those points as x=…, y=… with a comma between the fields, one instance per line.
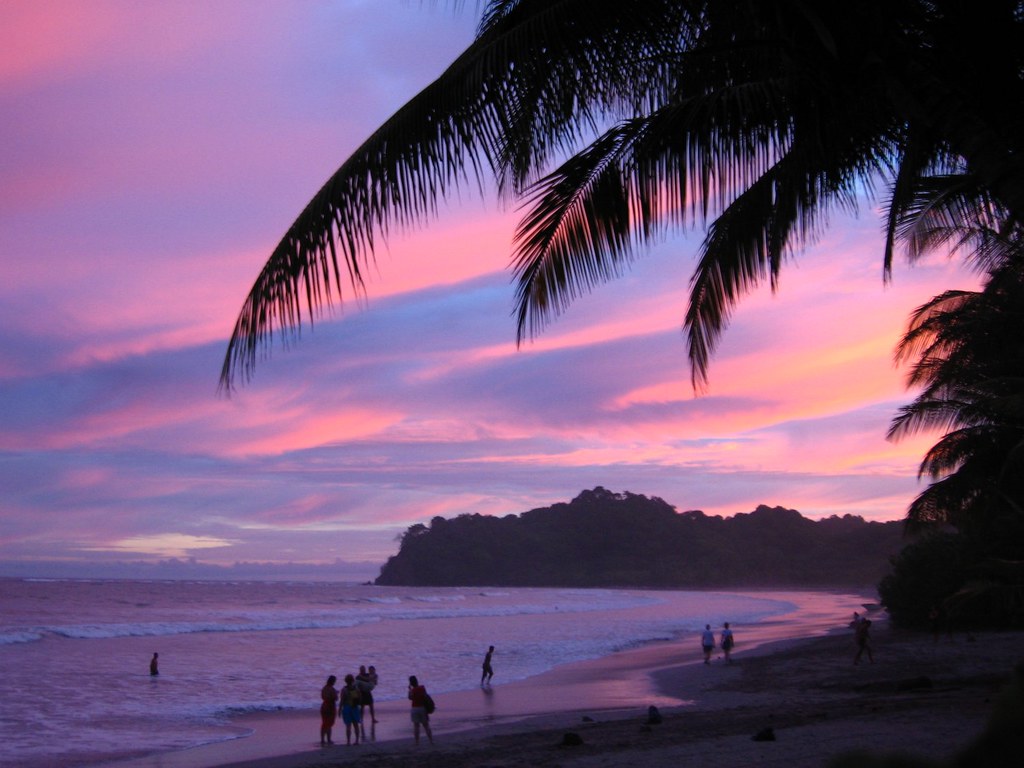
x=602, y=538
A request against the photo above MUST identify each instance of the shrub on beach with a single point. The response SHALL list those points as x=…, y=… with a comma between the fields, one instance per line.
x=973, y=584
x=925, y=574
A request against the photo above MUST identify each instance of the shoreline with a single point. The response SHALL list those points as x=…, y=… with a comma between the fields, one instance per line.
x=667, y=675
x=818, y=705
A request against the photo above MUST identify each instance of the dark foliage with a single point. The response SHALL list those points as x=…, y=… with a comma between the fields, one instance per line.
x=602, y=538
x=924, y=575
x=973, y=581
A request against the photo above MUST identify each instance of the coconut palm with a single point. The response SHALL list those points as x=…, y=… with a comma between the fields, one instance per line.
x=969, y=349
x=619, y=120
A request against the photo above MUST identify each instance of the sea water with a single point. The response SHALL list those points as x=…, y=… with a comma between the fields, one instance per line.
x=75, y=687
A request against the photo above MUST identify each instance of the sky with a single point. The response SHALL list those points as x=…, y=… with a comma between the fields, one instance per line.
x=151, y=156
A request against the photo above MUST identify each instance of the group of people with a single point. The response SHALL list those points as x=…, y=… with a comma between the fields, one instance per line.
x=707, y=642
x=357, y=695
x=351, y=702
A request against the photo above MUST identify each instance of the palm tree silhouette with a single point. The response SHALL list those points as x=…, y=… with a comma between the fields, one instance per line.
x=616, y=121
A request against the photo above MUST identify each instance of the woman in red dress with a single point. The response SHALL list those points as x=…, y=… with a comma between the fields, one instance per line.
x=328, y=710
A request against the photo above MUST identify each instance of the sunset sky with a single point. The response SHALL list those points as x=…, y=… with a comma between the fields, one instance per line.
x=152, y=154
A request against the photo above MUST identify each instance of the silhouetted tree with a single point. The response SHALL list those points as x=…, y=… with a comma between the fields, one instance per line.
x=969, y=350
x=616, y=120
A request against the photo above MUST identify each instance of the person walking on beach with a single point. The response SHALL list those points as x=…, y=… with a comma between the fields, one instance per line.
x=419, y=715
x=727, y=643
x=154, y=665
x=707, y=641
x=488, y=671
x=861, y=634
x=351, y=713
x=328, y=710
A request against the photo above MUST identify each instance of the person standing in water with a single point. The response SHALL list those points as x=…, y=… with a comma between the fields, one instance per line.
x=154, y=665
x=488, y=670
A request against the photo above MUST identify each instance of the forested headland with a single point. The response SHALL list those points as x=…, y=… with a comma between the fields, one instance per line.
x=606, y=539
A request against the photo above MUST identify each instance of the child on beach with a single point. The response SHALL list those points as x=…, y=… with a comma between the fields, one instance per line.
x=366, y=681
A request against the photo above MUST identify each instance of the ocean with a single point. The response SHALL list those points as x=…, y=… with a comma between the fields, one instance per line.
x=75, y=687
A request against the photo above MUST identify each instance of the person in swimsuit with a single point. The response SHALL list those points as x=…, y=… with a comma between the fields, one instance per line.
x=488, y=671
x=418, y=714
x=154, y=668
x=328, y=710
x=351, y=712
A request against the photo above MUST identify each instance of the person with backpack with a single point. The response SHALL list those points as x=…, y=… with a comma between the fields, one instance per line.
x=728, y=641
x=422, y=708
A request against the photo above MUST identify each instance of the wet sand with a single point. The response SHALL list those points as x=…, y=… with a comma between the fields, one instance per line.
x=817, y=703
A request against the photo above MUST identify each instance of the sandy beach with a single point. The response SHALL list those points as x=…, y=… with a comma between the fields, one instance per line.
x=921, y=698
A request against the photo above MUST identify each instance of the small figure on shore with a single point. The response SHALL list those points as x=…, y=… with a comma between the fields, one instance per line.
x=727, y=643
x=488, y=671
x=351, y=713
x=154, y=665
x=707, y=641
x=328, y=710
x=861, y=634
x=419, y=714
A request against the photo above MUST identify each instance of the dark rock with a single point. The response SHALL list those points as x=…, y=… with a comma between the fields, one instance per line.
x=653, y=715
x=765, y=734
x=572, y=740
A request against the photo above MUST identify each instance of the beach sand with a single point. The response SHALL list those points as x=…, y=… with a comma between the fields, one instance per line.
x=817, y=703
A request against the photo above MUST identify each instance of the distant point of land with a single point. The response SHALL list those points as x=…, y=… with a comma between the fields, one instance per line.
x=606, y=539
